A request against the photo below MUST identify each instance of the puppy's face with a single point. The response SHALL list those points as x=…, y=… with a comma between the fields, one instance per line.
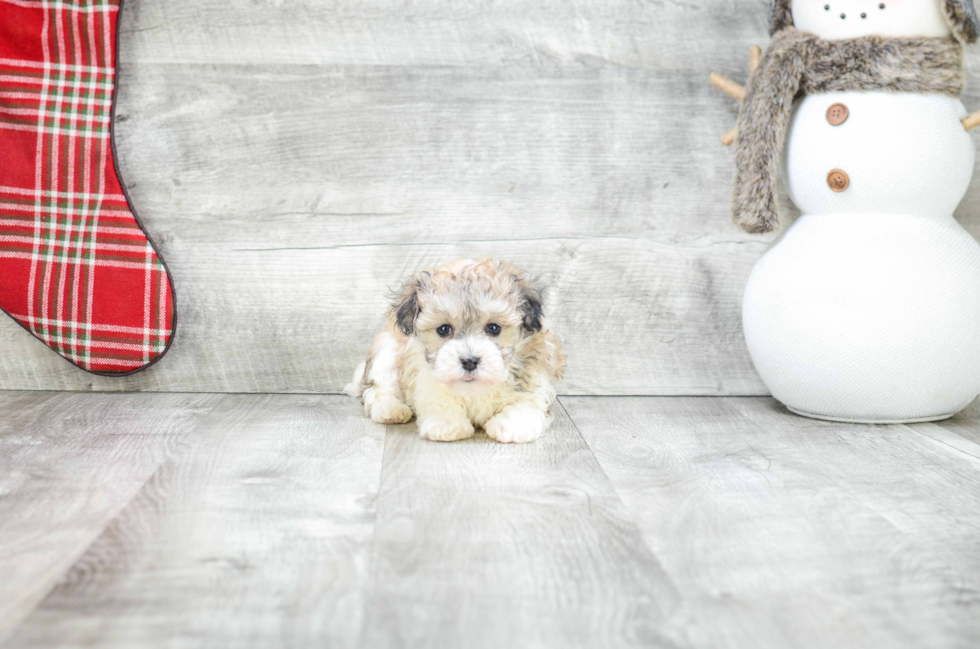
x=470, y=318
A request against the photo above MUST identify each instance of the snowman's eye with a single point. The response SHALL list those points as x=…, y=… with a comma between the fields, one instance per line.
x=826, y=7
x=864, y=15
x=881, y=6
x=843, y=16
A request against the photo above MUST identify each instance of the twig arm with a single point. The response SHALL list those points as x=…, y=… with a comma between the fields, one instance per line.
x=727, y=86
x=755, y=55
x=736, y=91
x=971, y=121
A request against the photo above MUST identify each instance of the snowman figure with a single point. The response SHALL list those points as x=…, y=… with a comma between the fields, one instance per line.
x=868, y=308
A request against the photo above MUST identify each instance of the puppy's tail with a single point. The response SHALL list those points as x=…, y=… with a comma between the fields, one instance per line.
x=353, y=389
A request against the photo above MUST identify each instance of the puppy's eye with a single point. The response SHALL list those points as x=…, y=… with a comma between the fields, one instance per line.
x=493, y=329
x=444, y=330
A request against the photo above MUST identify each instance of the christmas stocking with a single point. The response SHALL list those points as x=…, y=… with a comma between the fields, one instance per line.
x=76, y=268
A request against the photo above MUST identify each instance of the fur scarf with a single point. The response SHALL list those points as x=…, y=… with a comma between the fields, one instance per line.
x=799, y=63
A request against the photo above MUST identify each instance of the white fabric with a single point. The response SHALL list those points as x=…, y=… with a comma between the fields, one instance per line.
x=898, y=18
x=868, y=317
x=869, y=307
x=904, y=153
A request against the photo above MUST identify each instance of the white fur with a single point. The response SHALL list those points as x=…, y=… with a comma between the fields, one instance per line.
x=516, y=424
x=450, y=410
x=353, y=389
x=383, y=402
x=491, y=371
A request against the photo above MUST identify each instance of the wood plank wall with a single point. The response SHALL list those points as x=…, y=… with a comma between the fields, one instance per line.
x=296, y=158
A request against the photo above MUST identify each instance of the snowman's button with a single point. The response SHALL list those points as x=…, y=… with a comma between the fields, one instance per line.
x=837, y=114
x=838, y=181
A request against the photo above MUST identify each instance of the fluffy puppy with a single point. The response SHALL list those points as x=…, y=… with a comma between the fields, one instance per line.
x=464, y=346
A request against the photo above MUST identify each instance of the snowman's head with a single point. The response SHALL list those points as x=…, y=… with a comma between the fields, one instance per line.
x=836, y=19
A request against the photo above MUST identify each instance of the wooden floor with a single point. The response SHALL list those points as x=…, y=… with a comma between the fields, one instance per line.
x=184, y=520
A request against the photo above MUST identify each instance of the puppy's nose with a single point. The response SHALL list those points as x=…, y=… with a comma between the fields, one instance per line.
x=469, y=363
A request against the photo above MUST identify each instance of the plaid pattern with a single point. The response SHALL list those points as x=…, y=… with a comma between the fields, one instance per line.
x=76, y=268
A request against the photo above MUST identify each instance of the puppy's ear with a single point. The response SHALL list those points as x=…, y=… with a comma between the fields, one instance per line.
x=405, y=304
x=531, y=306
x=406, y=313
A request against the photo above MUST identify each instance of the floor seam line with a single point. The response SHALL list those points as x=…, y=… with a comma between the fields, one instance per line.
x=108, y=523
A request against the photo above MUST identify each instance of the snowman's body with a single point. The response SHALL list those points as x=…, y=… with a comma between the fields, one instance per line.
x=868, y=308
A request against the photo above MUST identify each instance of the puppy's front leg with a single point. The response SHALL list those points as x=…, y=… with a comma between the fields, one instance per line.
x=517, y=424
x=444, y=423
x=383, y=401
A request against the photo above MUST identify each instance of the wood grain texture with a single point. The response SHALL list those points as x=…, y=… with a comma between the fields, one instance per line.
x=294, y=160
x=964, y=425
x=257, y=535
x=471, y=33
x=784, y=531
x=297, y=198
x=480, y=544
x=68, y=465
x=148, y=520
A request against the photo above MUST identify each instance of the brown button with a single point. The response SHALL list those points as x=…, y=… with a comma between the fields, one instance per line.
x=838, y=180
x=837, y=114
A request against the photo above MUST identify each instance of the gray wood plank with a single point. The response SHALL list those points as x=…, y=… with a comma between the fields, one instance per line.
x=256, y=536
x=261, y=520
x=965, y=425
x=286, y=217
x=480, y=544
x=545, y=33
x=68, y=465
x=783, y=531
x=960, y=436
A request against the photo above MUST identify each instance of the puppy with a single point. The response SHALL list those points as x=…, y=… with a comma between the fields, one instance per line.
x=464, y=346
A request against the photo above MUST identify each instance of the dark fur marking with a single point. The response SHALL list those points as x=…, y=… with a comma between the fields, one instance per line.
x=406, y=303
x=407, y=312
x=531, y=306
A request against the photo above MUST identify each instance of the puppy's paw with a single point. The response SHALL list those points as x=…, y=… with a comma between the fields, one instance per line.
x=516, y=427
x=445, y=430
x=389, y=410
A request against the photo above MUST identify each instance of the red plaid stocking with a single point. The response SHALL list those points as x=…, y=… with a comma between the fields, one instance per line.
x=76, y=267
